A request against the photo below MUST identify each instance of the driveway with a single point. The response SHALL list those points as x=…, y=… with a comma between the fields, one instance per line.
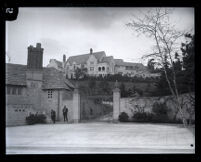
x=99, y=138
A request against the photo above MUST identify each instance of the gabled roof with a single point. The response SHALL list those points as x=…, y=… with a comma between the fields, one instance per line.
x=131, y=64
x=16, y=74
x=82, y=59
x=138, y=66
x=59, y=63
x=107, y=59
x=52, y=78
x=122, y=63
x=118, y=61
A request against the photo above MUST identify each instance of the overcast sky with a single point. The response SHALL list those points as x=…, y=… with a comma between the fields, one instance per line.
x=73, y=31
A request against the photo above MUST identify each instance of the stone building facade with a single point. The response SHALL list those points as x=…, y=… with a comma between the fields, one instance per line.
x=34, y=88
x=97, y=63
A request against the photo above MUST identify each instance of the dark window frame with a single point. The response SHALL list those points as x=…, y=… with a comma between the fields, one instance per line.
x=49, y=93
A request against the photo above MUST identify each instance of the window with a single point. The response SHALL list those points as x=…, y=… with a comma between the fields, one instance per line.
x=107, y=68
x=103, y=68
x=91, y=62
x=19, y=91
x=129, y=67
x=8, y=90
x=99, y=69
x=14, y=90
x=91, y=68
x=33, y=85
x=49, y=94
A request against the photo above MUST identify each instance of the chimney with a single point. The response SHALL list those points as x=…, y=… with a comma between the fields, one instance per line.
x=64, y=58
x=91, y=50
x=35, y=57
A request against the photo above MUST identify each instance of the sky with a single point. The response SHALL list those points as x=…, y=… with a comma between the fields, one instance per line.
x=73, y=31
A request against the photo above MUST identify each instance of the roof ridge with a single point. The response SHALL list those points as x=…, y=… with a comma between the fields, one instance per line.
x=87, y=54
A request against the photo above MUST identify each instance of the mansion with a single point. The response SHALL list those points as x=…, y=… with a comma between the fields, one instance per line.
x=97, y=63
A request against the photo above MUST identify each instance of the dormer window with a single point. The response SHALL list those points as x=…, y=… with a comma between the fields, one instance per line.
x=91, y=68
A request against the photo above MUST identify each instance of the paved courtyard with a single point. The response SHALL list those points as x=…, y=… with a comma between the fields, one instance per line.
x=99, y=138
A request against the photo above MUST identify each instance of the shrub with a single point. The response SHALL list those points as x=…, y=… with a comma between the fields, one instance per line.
x=159, y=115
x=160, y=108
x=35, y=118
x=162, y=118
x=142, y=117
x=123, y=117
x=161, y=112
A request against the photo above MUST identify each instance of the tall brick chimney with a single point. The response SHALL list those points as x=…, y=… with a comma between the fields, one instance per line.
x=34, y=75
x=35, y=57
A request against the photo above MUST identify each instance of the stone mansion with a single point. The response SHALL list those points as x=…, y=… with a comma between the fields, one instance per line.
x=97, y=63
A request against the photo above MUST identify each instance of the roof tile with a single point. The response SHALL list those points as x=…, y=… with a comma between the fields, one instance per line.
x=52, y=78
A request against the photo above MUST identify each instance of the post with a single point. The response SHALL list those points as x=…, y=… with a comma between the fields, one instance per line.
x=76, y=106
x=116, y=103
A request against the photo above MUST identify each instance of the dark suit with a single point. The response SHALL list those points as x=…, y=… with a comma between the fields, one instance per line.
x=65, y=113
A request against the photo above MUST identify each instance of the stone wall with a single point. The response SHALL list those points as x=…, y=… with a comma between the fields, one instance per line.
x=17, y=108
x=49, y=104
x=56, y=103
x=67, y=100
x=69, y=105
x=132, y=105
x=16, y=114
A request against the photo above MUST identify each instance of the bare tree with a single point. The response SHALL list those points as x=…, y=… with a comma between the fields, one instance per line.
x=156, y=25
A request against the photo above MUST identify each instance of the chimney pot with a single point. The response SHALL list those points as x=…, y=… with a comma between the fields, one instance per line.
x=38, y=45
x=64, y=58
x=91, y=50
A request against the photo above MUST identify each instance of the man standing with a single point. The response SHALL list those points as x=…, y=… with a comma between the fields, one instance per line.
x=65, y=113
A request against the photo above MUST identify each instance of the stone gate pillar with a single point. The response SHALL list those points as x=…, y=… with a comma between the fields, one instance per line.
x=116, y=103
x=76, y=106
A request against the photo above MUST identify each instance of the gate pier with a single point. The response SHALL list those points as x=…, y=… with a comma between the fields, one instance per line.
x=116, y=104
x=76, y=106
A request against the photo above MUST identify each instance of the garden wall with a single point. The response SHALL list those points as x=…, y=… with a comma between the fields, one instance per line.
x=136, y=104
